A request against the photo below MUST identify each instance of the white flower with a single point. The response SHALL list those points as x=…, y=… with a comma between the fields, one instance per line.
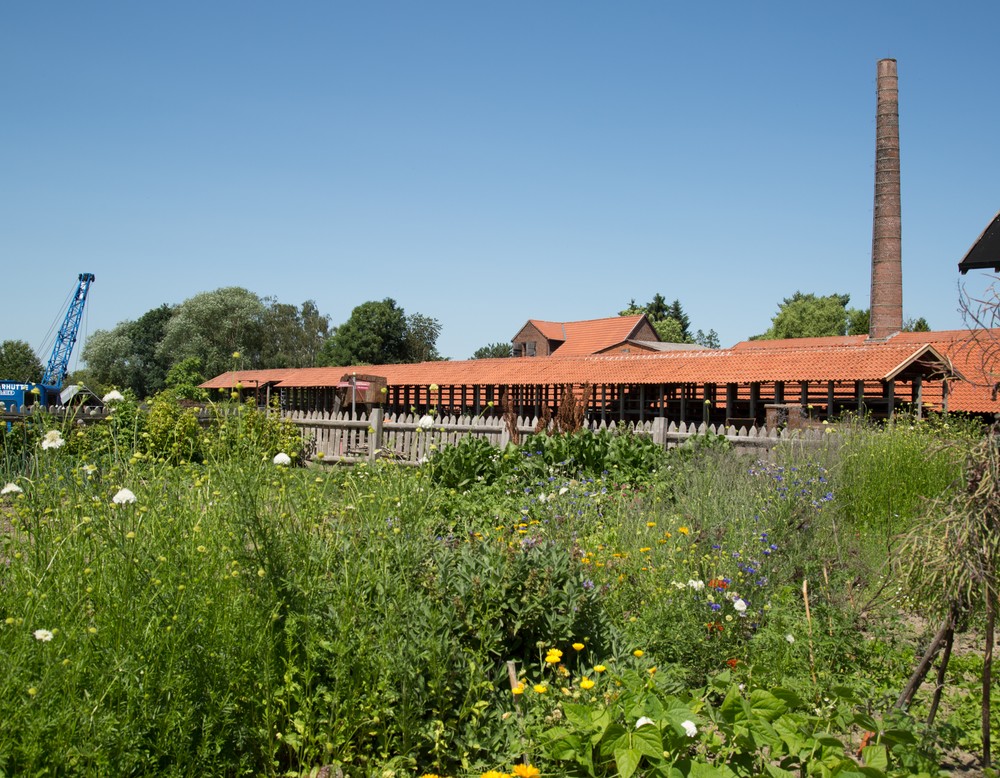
x=282, y=459
x=52, y=439
x=740, y=606
x=113, y=396
x=696, y=585
x=689, y=728
x=790, y=638
x=89, y=469
x=123, y=497
x=426, y=422
x=42, y=634
x=643, y=722
x=564, y=490
x=11, y=488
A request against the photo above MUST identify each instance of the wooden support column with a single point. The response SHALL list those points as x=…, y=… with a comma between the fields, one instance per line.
x=684, y=391
x=754, y=400
x=731, y=391
x=642, y=402
x=804, y=393
x=944, y=395
x=859, y=393
x=830, y=398
x=889, y=393
x=621, y=403
x=918, y=396
x=476, y=408
x=779, y=392
x=661, y=405
x=604, y=402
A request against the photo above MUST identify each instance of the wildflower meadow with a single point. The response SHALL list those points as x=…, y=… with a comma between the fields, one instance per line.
x=178, y=599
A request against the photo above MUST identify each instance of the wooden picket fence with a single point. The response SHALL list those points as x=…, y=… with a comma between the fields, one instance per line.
x=343, y=438
x=400, y=438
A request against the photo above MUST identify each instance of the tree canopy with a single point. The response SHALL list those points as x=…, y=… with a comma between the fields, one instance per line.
x=209, y=328
x=493, y=351
x=380, y=332
x=813, y=316
x=671, y=322
x=18, y=362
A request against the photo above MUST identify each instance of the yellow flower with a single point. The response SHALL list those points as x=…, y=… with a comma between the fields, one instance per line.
x=683, y=530
x=519, y=689
x=638, y=653
x=494, y=774
x=578, y=646
x=651, y=670
x=554, y=656
x=541, y=688
x=599, y=668
x=650, y=523
x=32, y=691
x=236, y=355
x=586, y=683
x=526, y=771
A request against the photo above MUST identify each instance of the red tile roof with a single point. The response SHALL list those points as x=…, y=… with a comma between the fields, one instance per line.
x=588, y=337
x=867, y=363
x=249, y=379
x=973, y=353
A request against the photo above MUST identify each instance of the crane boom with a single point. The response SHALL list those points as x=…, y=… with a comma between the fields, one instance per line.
x=58, y=364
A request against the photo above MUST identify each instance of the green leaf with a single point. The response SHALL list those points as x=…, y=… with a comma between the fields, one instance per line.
x=876, y=756
x=787, y=696
x=627, y=760
x=579, y=715
x=777, y=772
x=704, y=770
x=765, y=705
x=894, y=736
x=647, y=741
x=866, y=722
x=734, y=707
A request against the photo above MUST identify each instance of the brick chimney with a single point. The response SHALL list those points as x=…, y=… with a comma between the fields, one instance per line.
x=887, y=258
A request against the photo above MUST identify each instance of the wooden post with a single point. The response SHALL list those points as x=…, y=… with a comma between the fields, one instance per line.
x=944, y=395
x=642, y=402
x=779, y=392
x=730, y=401
x=804, y=394
x=859, y=393
x=754, y=400
x=918, y=396
x=375, y=436
x=683, y=402
x=889, y=393
x=830, y=394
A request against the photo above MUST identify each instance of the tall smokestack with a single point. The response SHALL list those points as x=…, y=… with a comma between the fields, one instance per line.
x=887, y=256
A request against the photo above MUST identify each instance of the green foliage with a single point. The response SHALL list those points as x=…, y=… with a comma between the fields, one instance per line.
x=812, y=316
x=671, y=323
x=381, y=333
x=248, y=433
x=127, y=355
x=889, y=474
x=184, y=377
x=18, y=362
x=493, y=351
x=173, y=430
x=245, y=618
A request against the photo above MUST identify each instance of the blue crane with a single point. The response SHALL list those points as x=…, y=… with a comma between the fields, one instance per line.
x=20, y=392
x=55, y=371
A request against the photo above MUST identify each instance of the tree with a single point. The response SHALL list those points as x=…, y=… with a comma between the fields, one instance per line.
x=421, y=338
x=493, y=351
x=184, y=379
x=708, y=339
x=671, y=323
x=381, y=333
x=294, y=337
x=127, y=357
x=810, y=316
x=18, y=362
x=214, y=325
x=916, y=325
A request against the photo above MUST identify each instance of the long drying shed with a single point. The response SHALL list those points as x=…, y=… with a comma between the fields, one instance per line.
x=827, y=376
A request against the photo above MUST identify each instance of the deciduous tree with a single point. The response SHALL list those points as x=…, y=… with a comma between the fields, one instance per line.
x=18, y=362
x=379, y=332
x=493, y=351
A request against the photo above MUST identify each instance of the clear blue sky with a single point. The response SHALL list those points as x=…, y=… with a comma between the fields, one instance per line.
x=485, y=163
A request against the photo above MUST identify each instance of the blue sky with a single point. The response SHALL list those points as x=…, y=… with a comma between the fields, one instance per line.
x=486, y=163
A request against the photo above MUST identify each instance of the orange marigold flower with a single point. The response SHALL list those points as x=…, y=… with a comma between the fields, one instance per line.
x=526, y=771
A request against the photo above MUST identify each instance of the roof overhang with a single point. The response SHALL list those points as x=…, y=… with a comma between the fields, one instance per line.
x=985, y=252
